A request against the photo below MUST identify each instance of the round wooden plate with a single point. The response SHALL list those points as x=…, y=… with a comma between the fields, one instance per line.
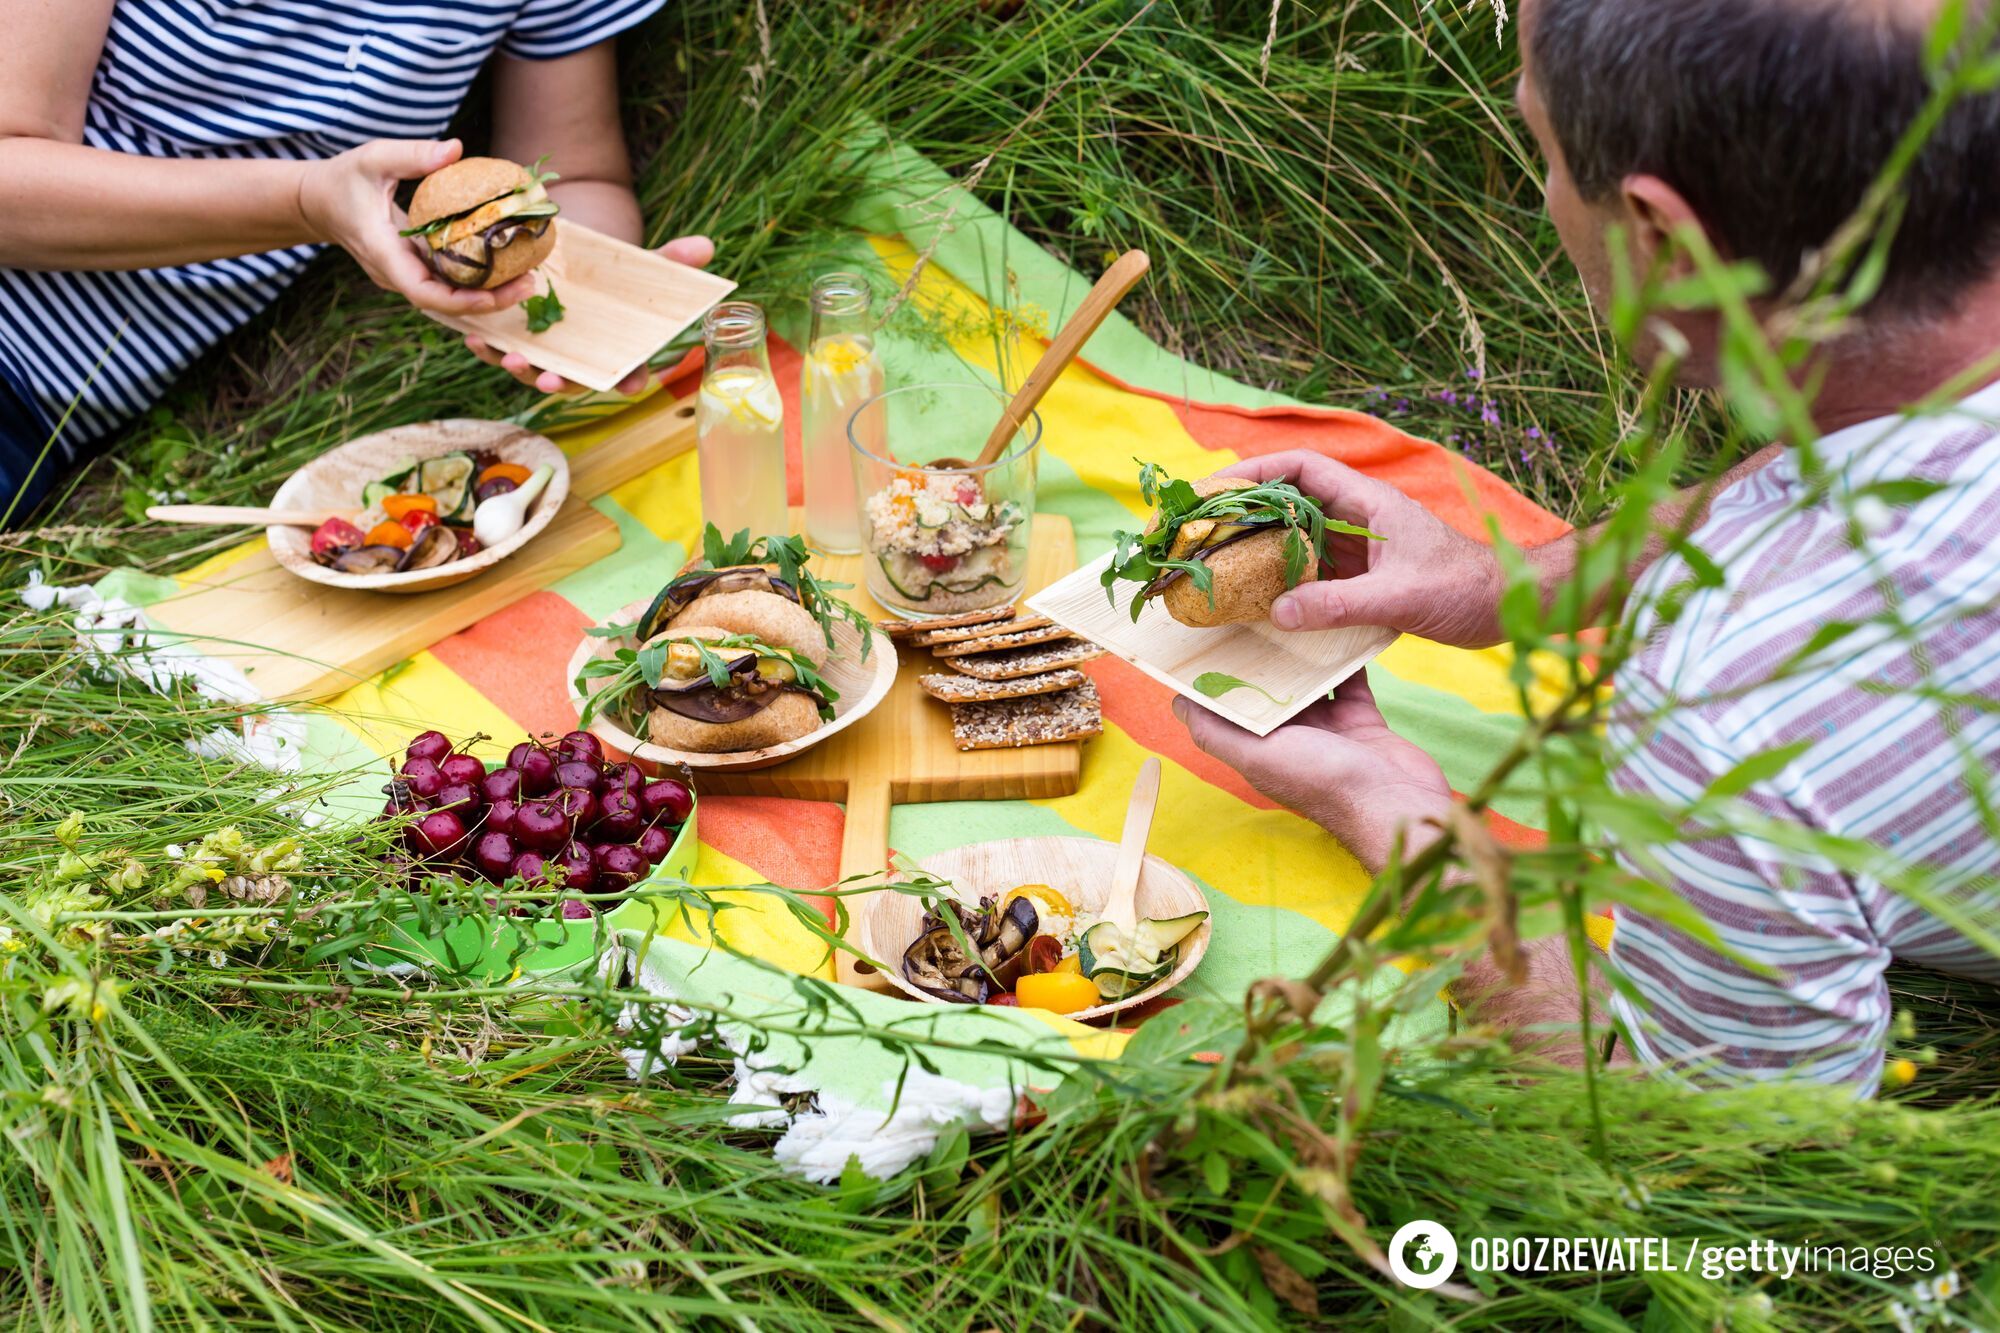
x=862, y=686
x=334, y=481
x=1077, y=868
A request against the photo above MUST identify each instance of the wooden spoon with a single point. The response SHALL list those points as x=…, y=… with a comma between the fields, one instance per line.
x=1100, y=301
x=246, y=516
x=1121, y=905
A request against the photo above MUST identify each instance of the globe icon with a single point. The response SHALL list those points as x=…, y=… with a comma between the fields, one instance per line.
x=1421, y=1257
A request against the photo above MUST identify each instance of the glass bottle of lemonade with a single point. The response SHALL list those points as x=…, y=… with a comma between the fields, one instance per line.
x=840, y=372
x=740, y=426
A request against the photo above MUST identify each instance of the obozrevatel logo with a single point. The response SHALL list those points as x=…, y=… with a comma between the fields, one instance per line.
x=1422, y=1254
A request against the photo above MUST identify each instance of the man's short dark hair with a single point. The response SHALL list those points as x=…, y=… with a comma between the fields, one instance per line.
x=1772, y=118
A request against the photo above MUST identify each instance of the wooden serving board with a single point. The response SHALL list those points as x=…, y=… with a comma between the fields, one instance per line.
x=301, y=640
x=902, y=753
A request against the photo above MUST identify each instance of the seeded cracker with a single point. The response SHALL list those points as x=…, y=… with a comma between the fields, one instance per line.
x=901, y=630
x=993, y=643
x=956, y=689
x=961, y=633
x=1018, y=662
x=1042, y=719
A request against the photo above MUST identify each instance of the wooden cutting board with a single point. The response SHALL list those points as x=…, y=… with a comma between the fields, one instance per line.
x=902, y=753
x=301, y=640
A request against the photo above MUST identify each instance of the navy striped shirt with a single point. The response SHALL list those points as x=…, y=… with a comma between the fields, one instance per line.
x=293, y=79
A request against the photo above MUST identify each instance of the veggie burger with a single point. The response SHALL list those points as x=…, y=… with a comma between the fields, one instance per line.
x=483, y=221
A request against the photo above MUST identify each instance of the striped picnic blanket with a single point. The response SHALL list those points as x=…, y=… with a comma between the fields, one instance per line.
x=1281, y=889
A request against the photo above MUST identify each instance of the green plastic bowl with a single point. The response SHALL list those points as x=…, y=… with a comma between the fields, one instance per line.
x=500, y=948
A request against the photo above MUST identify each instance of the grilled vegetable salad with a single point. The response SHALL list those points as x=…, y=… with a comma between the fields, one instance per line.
x=418, y=516
x=1029, y=948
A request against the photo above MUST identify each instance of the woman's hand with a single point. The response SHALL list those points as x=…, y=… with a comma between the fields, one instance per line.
x=694, y=251
x=349, y=201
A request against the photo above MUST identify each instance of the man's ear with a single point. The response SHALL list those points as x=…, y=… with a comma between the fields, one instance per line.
x=1654, y=212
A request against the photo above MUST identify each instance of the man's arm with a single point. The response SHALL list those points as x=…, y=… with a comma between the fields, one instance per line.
x=1544, y=1012
x=1425, y=578
x=89, y=208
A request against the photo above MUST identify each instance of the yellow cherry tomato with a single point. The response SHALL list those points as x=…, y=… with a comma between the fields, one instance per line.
x=1072, y=963
x=390, y=533
x=1057, y=992
x=1048, y=902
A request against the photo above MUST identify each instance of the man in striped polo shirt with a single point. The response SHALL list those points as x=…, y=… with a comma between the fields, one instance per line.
x=1761, y=124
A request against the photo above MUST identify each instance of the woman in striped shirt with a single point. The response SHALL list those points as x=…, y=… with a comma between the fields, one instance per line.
x=176, y=163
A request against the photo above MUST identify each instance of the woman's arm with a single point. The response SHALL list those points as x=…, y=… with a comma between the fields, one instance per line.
x=567, y=108
x=95, y=209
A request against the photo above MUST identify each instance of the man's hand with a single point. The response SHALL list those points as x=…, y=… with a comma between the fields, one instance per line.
x=694, y=251
x=349, y=200
x=1338, y=764
x=1423, y=578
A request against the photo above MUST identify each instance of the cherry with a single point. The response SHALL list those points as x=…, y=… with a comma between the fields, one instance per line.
x=540, y=826
x=500, y=817
x=538, y=772
x=438, y=834
x=579, y=807
x=581, y=745
x=667, y=799
x=654, y=844
x=460, y=796
x=575, y=910
x=462, y=768
x=431, y=745
x=622, y=818
x=578, y=868
x=502, y=784
x=617, y=865
x=423, y=778
x=530, y=867
x=494, y=854
x=939, y=564
x=626, y=775
x=579, y=773
x=520, y=752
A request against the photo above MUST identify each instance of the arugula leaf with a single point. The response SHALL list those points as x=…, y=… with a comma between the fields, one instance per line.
x=1142, y=557
x=790, y=555
x=1215, y=684
x=544, y=312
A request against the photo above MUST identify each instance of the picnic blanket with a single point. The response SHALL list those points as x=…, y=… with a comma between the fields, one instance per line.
x=1281, y=890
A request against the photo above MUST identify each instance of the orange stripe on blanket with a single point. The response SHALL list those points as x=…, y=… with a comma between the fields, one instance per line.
x=1142, y=708
x=793, y=844
x=1428, y=473
x=516, y=657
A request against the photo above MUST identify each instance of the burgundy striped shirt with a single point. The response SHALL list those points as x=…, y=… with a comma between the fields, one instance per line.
x=1773, y=966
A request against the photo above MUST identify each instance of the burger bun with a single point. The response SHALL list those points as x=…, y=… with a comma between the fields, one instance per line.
x=788, y=717
x=778, y=621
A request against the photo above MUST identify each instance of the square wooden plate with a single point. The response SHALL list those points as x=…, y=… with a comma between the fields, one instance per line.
x=1295, y=667
x=621, y=303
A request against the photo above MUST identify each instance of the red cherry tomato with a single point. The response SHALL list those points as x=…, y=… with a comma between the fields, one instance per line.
x=334, y=536
x=967, y=493
x=939, y=564
x=1005, y=997
x=417, y=520
x=1044, y=952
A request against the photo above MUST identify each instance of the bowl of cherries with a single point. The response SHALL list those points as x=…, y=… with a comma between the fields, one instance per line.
x=556, y=819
